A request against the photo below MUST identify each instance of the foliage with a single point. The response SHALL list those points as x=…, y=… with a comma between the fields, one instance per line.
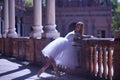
x=116, y=18
x=114, y=4
x=28, y=3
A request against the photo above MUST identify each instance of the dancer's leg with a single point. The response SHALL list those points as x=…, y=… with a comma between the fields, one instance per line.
x=54, y=67
x=44, y=67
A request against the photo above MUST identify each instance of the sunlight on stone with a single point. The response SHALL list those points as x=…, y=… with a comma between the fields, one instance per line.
x=16, y=74
x=8, y=62
x=12, y=58
x=25, y=62
x=45, y=75
x=4, y=66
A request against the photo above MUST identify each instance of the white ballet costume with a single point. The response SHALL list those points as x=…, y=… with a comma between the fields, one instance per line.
x=68, y=57
x=63, y=51
x=54, y=48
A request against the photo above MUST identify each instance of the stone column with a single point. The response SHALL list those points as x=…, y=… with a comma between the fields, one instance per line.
x=11, y=33
x=37, y=26
x=6, y=19
x=0, y=28
x=116, y=56
x=50, y=28
x=0, y=20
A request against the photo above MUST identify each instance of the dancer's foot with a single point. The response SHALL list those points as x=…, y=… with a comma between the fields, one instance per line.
x=57, y=74
x=44, y=67
x=40, y=72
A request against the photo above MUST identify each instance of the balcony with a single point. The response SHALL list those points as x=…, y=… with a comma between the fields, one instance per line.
x=99, y=57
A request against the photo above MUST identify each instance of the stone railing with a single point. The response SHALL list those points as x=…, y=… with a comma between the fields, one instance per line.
x=98, y=57
x=23, y=48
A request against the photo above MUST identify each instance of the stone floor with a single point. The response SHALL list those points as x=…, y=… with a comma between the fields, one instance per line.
x=12, y=69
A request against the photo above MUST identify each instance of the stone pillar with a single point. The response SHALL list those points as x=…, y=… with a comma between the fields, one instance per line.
x=50, y=28
x=0, y=21
x=6, y=19
x=37, y=26
x=11, y=32
x=17, y=25
x=116, y=57
x=0, y=28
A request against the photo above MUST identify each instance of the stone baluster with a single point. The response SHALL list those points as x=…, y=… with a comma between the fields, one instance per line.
x=105, y=62
x=95, y=60
x=100, y=62
x=91, y=59
x=110, y=66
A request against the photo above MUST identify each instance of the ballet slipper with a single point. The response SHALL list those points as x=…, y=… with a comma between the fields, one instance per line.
x=57, y=74
x=40, y=72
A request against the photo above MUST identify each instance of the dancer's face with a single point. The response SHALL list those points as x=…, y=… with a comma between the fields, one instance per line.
x=79, y=28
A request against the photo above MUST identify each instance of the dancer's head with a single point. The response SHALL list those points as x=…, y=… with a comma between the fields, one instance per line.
x=79, y=27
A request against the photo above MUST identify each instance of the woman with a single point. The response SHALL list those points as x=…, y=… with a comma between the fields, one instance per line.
x=69, y=56
x=50, y=52
x=62, y=52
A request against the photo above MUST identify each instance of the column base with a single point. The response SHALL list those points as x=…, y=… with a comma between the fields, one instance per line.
x=12, y=35
x=53, y=35
x=37, y=35
x=4, y=35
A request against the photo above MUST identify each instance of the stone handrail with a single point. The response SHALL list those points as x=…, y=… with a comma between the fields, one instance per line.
x=99, y=55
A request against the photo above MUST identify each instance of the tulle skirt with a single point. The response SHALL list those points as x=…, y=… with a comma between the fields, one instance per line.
x=55, y=47
x=68, y=57
x=62, y=51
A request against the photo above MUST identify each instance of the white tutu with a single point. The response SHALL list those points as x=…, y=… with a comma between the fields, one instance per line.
x=68, y=57
x=62, y=51
x=54, y=48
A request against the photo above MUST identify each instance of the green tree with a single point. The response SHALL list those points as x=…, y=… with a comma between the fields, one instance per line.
x=28, y=3
x=114, y=4
x=116, y=17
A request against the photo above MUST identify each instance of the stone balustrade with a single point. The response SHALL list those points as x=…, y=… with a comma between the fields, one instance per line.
x=99, y=57
x=23, y=48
